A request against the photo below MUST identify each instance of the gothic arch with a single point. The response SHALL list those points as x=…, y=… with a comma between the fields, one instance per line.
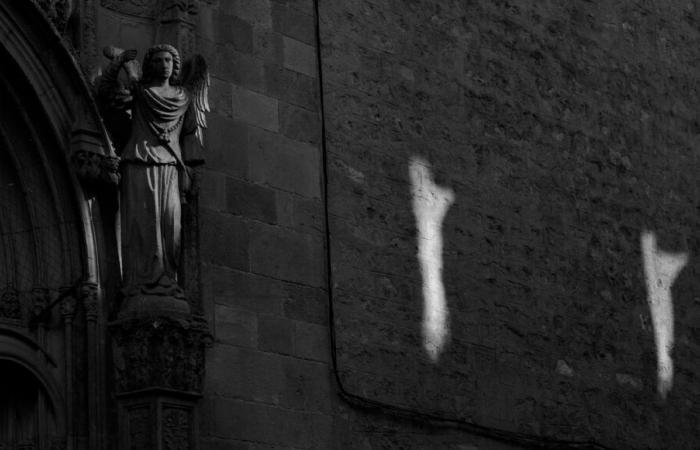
x=70, y=115
x=58, y=254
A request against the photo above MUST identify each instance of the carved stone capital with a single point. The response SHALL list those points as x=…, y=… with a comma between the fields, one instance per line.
x=159, y=352
x=182, y=11
x=139, y=8
x=92, y=157
x=88, y=295
x=10, y=308
x=68, y=308
x=57, y=11
x=96, y=168
x=40, y=299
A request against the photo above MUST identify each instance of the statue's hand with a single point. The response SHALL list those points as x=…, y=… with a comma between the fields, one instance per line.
x=127, y=55
x=132, y=69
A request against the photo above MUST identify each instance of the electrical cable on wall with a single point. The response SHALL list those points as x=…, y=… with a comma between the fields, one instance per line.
x=432, y=418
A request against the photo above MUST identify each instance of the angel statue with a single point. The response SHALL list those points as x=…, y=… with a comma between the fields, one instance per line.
x=156, y=115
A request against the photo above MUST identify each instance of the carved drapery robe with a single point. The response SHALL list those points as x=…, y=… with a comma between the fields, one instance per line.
x=151, y=193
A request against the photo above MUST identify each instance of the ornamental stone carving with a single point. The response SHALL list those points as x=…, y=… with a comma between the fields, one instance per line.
x=58, y=11
x=159, y=352
x=10, y=305
x=138, y=8
x=177, y=425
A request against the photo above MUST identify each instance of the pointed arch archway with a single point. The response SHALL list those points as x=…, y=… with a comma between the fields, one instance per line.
x=58, y=255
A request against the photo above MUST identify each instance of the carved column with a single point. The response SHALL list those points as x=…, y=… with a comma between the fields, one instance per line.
x=68, y=313
x=159, y=364
x=89, y=294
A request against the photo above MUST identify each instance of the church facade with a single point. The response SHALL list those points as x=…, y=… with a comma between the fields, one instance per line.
x=392, y=225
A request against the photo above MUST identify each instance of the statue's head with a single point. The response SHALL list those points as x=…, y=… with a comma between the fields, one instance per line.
x=157, y=58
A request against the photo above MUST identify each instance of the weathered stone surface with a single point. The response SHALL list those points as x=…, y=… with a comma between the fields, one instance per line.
x=299, y=124
x=292, y=87
x=255, y=109
x=241, y=69
x=250, y=200
x=293, y=23
x=236, y=32
x=245, y=373
x=271, y=424
x=283, y=163
x=236, y=327
x=299, y=56
x=564, y=131
x=213, y=190
x=273, y=248
x=306, y=304
x=311, y=341
x=241, y=289
x=226, y=241
x=228, y=146
x=299, y=213
x=267, y=45
x=221, y=92
x=256, y=12
x=276, y=334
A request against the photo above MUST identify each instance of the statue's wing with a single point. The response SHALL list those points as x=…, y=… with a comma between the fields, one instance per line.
x=195, y=78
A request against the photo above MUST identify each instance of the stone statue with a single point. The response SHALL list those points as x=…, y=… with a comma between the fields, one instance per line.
x=156, y=116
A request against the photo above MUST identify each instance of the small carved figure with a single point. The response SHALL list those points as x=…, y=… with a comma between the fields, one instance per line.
x=158, y=118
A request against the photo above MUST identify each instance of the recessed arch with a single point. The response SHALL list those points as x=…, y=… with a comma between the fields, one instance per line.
x=28, y=412
x=50, y=73
x=56, y=233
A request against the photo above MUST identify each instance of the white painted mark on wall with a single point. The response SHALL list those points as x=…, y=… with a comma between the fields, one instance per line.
x=661, y=269
x=430, y=205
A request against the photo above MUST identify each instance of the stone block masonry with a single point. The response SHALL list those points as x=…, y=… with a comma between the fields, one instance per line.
x=268, y=378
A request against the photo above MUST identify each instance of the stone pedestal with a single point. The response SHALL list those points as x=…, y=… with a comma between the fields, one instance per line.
x=158, y=419
x=148, y=305
x=159, y=365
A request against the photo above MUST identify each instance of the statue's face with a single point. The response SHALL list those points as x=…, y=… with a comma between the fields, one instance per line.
x=162, y=65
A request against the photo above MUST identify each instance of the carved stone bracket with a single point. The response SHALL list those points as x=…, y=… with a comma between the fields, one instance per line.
x=159, y=352
x=91, y=151
x=40, y=301
x=68, y=309
x=10, y=308
x=88, y=293
x=58, y=11
x=138, y=8
x=96, y=168
x=159, y=366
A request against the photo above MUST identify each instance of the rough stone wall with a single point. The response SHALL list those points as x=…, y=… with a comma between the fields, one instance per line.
x=565, y=130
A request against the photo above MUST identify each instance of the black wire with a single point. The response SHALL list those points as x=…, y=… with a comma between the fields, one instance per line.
x=432, y=418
